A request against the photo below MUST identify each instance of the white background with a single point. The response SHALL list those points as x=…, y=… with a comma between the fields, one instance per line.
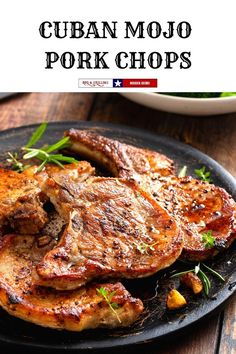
x=212, y=43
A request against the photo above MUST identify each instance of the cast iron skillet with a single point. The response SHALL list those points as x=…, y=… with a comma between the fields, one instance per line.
x=156, y=323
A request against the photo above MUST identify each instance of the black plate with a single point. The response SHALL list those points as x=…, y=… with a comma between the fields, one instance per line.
x=156, y=323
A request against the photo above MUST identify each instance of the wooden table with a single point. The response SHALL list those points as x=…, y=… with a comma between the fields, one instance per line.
x=216, y=136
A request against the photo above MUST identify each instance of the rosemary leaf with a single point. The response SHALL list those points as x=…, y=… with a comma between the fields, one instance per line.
x=182, y=273
x=39, y=169
x=36, y=136
x=214, y=272
x=31, y=154
x=60, y=157
x=57, y=163
x=61, y=144
x=206, y=281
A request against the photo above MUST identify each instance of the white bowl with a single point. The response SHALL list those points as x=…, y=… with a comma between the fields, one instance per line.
x=184, y=105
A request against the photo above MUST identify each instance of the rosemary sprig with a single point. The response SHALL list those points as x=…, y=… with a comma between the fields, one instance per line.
x=208, y=239
x=182, y=172
x=44, y=154
x=203, y=174
x=45, y=157
x=108, y=298
x=202, y=275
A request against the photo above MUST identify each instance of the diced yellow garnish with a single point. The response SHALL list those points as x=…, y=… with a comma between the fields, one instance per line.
x=175, y=300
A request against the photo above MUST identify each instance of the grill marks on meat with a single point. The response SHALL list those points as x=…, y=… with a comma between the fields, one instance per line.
x=197, y=206
x=21, y=203
x=72, y=310
x=115, y=230
x=122, y=160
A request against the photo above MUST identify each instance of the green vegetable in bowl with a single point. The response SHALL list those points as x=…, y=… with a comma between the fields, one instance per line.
x=227, y=94
x=200, y=94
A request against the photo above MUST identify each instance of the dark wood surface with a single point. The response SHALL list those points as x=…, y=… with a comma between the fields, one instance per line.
x=216, y=136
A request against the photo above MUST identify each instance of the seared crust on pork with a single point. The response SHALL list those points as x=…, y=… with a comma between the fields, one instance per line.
x=121, y=159
x=115, y=230
x=21, y=203
x=197, y=206
x=71, y=310
x=200, y=207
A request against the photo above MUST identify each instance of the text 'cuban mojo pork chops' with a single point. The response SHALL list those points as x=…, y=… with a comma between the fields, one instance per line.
x=197, y=206
x=71, y=310
x=115, y=229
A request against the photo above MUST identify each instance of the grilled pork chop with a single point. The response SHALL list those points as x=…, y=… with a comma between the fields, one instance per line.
x=122, y=160
x=115, y=230
x=199, y=207
x=21, y=203
x=72, y=310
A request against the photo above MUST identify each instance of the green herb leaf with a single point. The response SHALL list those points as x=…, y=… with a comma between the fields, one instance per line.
x=108, y=298
x=182, y=172
x=182, y=273
x=208, y=239
x=40, y=168
x=61, y=144
x=40, y=154
x=37, y=135
x=56, y=162
x=203, y=174
x=32, y=153
x=144, y=247
x=60, y=157
x=205, y=280
x=218, y=275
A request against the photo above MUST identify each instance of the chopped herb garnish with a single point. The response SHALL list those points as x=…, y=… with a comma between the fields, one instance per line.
x=203, y=174
x=208, y=239
x=144, y=247
x=202, y=275
x=182, y=172
x=108, y=298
